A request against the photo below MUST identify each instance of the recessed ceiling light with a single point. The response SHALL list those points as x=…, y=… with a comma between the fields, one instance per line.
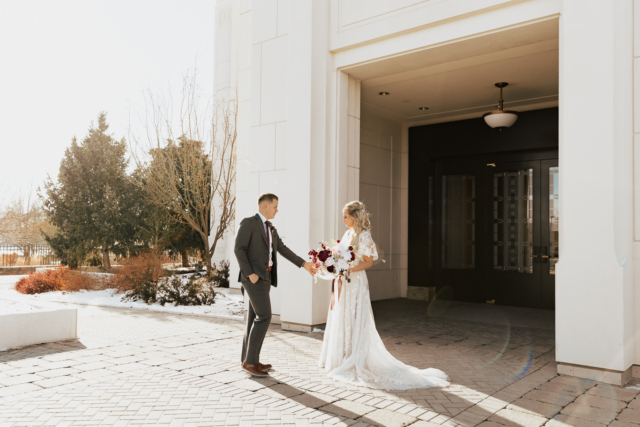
x=383, y=93
x=423, y=108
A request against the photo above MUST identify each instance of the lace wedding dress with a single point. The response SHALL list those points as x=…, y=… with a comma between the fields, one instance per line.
x=352, y=350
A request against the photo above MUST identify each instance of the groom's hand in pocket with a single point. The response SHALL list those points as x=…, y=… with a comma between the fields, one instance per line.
x=253, y=277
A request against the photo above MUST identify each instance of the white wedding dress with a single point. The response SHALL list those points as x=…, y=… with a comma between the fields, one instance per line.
x=352, y=350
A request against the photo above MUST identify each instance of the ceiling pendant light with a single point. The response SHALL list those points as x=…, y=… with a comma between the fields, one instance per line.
x=500, y=119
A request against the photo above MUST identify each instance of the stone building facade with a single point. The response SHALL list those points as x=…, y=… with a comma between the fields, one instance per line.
x=316, y=128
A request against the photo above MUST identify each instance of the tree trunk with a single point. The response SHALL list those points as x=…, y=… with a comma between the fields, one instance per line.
x=185, y=257
x=106, y=262
x=207, y=254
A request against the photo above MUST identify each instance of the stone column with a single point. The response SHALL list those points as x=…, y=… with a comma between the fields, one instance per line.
x=310, y=143
x=595, y=285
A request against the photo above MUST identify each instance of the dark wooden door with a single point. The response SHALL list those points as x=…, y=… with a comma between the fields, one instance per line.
x=495, y=230
x=513, y=195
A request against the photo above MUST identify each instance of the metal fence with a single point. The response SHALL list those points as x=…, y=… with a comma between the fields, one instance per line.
x=21, y=255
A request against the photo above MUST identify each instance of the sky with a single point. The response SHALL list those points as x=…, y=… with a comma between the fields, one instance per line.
x=62, y=62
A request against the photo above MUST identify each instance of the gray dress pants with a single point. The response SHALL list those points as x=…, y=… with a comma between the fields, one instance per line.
x=258, y=319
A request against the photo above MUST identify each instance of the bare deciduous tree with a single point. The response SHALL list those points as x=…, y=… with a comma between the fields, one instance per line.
x=189, y=164
x=21, y=223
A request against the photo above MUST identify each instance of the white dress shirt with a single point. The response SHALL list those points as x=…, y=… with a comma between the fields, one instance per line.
x=270, y=238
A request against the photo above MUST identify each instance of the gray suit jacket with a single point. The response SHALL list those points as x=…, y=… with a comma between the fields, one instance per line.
x=252, y=251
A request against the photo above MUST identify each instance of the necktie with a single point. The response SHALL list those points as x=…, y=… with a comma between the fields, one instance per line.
x=268, y=224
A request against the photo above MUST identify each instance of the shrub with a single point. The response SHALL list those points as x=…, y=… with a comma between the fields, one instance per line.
x=143, y=268
x=41, y=281
x=138, y=278
x=75, y=280
x=221, y=274
x=146, y=291
x=185, y=291
x=63, y=279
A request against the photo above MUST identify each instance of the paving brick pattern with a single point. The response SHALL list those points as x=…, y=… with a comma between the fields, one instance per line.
x=134, y=368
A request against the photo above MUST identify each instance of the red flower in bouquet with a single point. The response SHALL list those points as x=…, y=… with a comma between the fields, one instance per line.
x=323, y=255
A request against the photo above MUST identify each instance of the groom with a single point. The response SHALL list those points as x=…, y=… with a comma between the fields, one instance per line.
x=257, y=244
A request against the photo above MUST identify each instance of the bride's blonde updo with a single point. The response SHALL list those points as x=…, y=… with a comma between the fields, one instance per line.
x=358, y=211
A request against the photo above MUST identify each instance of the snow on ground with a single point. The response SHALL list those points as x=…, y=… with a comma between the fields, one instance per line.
x=226, y=304
x=7, y=282
x=12, y=307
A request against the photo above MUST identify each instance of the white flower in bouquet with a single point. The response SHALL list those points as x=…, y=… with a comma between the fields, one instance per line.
x=329, y=262
x=343, y=264
x=342, y=246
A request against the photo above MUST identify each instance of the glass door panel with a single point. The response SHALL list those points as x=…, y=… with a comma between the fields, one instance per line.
x=513, y=221
x=549, y=244
x=460, y=215
x=431, y=224
x=554, y=199
x=458, y=221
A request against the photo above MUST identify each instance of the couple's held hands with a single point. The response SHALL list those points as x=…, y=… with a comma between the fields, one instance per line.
x=310, y=268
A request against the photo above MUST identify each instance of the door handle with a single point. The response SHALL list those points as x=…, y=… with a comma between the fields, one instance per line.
x=543, y=254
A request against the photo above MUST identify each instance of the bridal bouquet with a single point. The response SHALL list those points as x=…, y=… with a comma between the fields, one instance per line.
x=333, y=260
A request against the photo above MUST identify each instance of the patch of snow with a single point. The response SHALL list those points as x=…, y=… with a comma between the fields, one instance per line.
x=13, y=307
x=317, y=330
x=637, y=387
x=226, y=305
x=7, y=282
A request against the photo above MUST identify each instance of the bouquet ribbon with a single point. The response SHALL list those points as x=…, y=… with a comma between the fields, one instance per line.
x=333, y=283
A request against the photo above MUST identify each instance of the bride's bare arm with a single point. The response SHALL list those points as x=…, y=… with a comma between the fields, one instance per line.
x=367, y=263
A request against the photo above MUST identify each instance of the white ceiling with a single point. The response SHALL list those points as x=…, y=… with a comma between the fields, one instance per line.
x=458, y=79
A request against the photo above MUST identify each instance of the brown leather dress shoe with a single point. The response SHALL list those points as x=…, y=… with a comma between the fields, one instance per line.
x=254, y=370
x=266, y=367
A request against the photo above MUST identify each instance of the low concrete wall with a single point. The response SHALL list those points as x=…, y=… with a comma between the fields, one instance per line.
x=17, y=270
x=14, y=271
x=50, y=324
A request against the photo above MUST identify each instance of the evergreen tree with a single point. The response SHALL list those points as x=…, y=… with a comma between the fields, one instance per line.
x=94, y=205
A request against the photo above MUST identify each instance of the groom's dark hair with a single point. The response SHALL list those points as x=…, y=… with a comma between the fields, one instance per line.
x=267, y=197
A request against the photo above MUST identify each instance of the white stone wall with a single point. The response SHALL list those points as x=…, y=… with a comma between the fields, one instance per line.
x=380, y=190
x=636, y=173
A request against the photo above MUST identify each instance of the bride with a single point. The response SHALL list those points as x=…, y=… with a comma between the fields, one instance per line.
x=352, y=351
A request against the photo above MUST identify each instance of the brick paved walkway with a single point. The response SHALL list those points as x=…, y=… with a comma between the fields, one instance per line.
x=137, y=368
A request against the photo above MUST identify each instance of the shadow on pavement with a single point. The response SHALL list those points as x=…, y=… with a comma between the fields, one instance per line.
x=40, y=350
